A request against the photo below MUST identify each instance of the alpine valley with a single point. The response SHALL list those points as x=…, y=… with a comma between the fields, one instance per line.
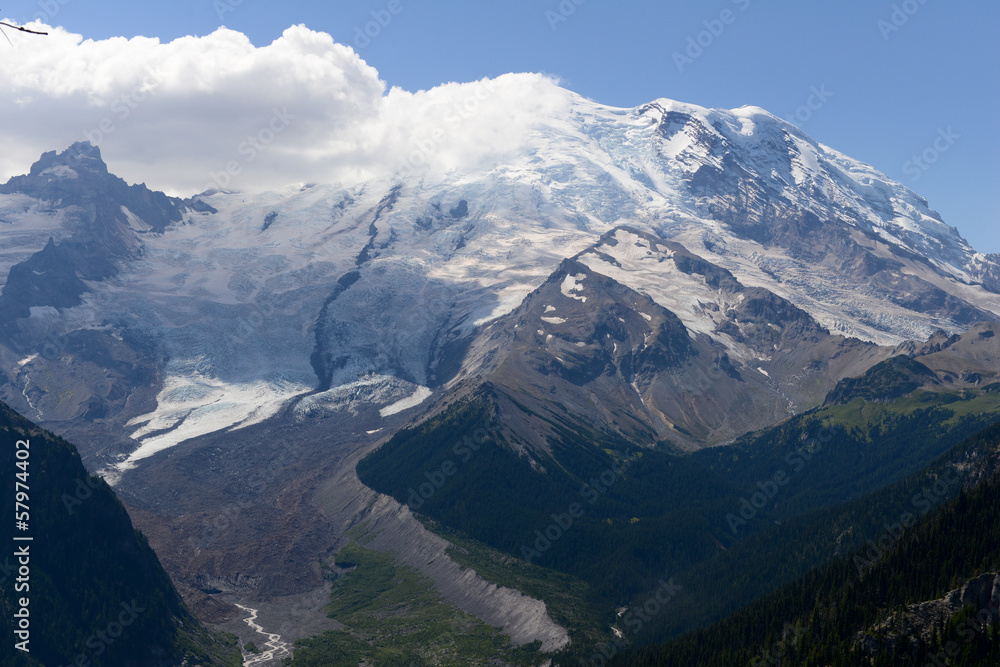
x=651, y=367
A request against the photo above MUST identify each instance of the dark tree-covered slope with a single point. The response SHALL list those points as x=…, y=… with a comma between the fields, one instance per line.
x=95, y=591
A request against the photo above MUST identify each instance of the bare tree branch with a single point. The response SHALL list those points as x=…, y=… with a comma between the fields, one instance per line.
x=22, y=28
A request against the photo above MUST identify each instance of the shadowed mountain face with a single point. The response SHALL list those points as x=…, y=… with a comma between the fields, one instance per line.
x=78, y=177
x=96, y=592
x=106, y=220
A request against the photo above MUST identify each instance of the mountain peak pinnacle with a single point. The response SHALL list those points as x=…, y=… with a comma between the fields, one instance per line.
x=82, y=155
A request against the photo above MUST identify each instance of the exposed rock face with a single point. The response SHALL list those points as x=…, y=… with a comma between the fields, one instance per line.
x=639, y=337
x=79, y=177
x=971, y=359
x=741, y=173
x=106, y=221
x=923, y=619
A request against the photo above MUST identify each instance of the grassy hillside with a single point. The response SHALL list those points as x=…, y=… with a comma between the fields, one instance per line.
x=394, y=616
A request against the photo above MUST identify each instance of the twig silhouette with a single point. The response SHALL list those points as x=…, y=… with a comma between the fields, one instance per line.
x=19, y=28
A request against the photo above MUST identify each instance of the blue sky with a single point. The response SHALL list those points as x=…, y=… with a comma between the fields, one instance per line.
x=899, y=80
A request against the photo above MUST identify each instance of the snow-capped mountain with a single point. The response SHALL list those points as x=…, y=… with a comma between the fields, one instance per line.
x=667, y=274
x=326, y=296
x=638, y=337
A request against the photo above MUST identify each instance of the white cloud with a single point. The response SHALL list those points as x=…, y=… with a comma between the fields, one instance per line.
x=174, y=115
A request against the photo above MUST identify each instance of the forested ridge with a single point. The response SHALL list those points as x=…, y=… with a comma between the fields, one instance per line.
x=843, y=614
x=96, y=590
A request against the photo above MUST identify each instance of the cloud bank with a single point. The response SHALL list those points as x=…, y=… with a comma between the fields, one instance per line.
x=217, y=111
